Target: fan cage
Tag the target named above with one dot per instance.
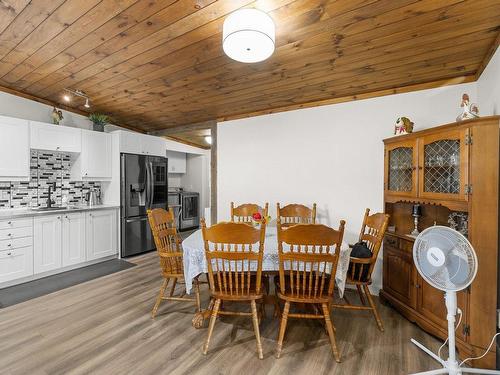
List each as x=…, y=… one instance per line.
x=462, y=248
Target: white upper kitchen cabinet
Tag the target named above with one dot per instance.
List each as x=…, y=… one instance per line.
x=152, y=145
x=141, y=144
x=47, y=244
x=95, y=159
x=176, y=162
x=14, y=149
x=101, y=234
x=73, y=238
x=130, y=142
x=55, y=137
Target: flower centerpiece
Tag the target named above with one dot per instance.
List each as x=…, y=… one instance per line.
x=258, y=219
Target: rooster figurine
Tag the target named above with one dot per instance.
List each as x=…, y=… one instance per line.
x=469, y=110
x=57, y=116
x=403, y=126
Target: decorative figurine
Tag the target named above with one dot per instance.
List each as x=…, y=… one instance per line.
x=403, y=126
x=57, y=116
x=416, y=213
x=469, y=110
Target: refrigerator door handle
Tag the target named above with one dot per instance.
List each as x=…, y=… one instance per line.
x=151, y=187
x=133, y=220
x=148, y=187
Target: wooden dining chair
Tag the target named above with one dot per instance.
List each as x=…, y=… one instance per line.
x=243, y=213
x=293, y=214
x=308, y=258
x=169, y=247
x=234, y=260
x=360, y=269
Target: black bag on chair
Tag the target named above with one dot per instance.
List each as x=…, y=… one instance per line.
x=360, y=250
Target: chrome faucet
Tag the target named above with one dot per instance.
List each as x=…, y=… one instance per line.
x=52, y=187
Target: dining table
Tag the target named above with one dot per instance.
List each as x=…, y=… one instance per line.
x=195, y=262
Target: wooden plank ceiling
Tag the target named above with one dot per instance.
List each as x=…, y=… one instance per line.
x=155, y=64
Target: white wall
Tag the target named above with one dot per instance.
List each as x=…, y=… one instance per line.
x=331, y=155
x=196, y=179
x=15, y=106
x=488, y=87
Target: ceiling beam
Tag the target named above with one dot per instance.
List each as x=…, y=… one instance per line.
x=186, y=142
x=183, y=128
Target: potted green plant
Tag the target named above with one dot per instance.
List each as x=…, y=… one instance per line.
x=99, y=120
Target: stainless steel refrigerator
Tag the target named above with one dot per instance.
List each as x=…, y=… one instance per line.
x=144, y=185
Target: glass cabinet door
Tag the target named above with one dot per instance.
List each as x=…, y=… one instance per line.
x=443, y=165
x=400, y=169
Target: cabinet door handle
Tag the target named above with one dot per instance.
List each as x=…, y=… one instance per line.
x=59, y=217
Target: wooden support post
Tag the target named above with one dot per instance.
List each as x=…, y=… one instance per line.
x=213, y=174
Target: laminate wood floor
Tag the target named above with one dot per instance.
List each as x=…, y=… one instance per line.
x=104, y=327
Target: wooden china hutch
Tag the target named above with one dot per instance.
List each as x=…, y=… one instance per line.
x=451, y=171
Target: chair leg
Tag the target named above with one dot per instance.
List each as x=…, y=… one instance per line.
x=361, y=297
x=284, y=318
x=213, y=318
x=374, y=308
x=160, y=297
x=255, y=320
x=173, y=287
x=331, y=334
x=197, y=294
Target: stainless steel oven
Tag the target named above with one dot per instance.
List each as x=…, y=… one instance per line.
x=190, y=211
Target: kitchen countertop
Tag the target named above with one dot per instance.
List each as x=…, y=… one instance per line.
x=26, y=212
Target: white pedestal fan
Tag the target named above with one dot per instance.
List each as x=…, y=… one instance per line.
x=447, y=261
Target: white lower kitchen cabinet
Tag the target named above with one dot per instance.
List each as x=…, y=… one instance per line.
x=16, y=263
x=73, y=239
x=102, y=234
x=47, y=243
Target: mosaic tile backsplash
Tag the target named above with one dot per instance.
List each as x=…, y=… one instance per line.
x=46, y=168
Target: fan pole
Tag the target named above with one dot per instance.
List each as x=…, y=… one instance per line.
x=451, y=308
x=450, y=366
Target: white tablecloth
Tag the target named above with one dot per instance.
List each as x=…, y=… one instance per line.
x=195, y=262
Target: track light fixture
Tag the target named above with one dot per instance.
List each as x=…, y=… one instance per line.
x=79, y=93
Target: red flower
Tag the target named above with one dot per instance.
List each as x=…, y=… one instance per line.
x=257, y=216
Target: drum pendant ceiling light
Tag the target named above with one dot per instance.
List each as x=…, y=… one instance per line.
x=248, y=35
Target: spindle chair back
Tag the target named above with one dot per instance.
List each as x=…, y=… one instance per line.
x=243, y=213
x=293, y=214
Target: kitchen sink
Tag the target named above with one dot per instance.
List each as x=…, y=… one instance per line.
x=54, y=208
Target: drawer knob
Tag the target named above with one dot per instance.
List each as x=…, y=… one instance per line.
x=9, y=245
x=9, y=223
x=10, y=235
x=9, y=253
